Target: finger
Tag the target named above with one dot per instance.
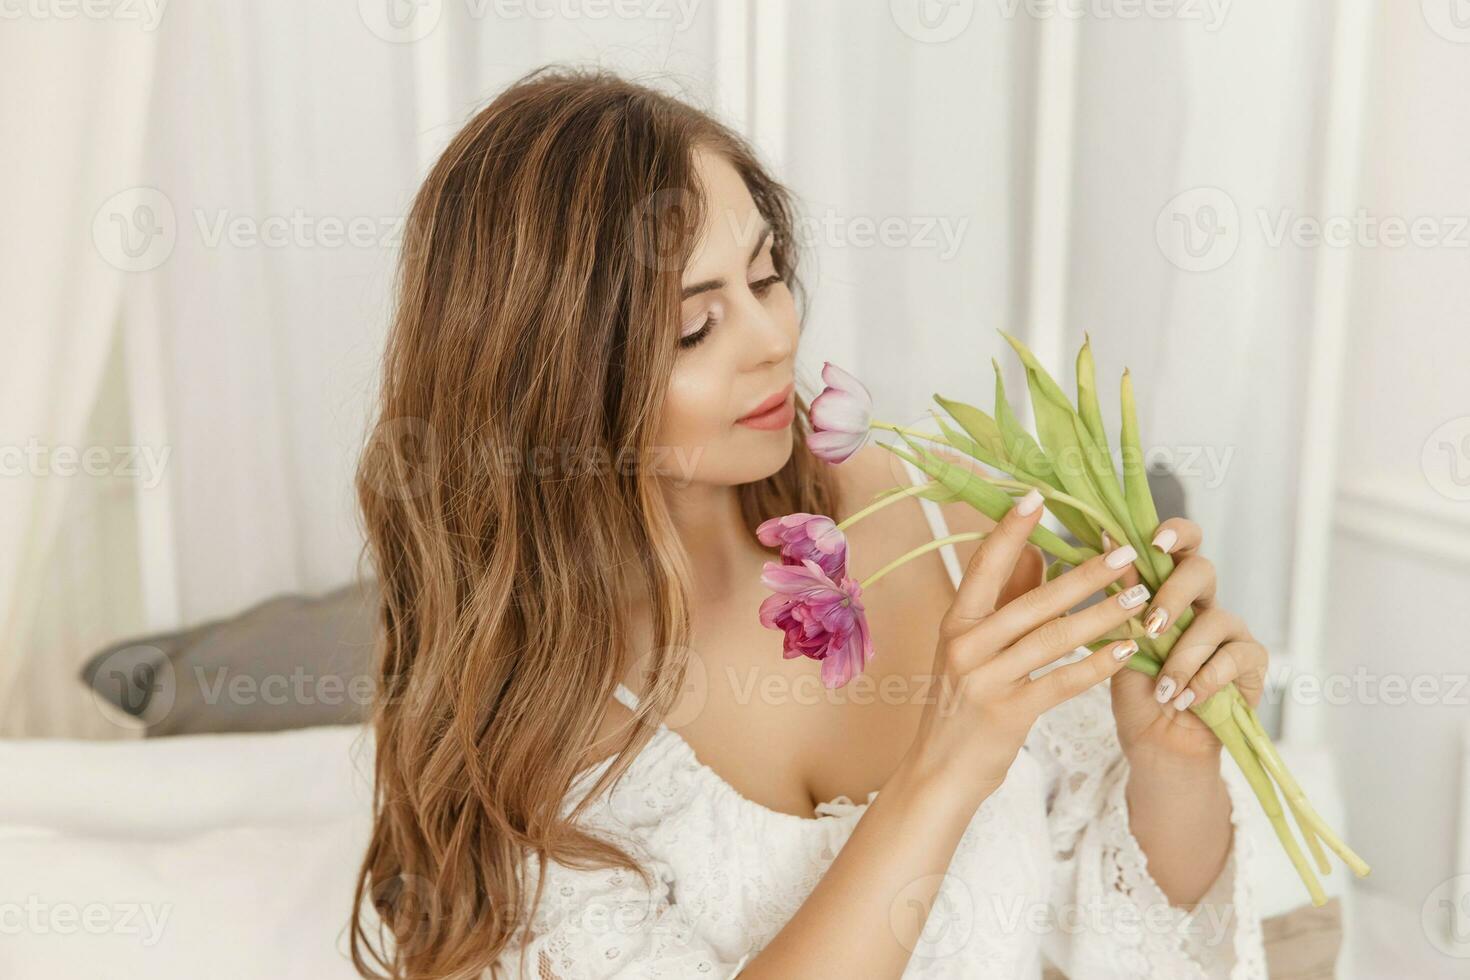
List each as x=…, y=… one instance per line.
x=1177, y=536
x=1210, y=630
x=1064, y=634
x=1056, y=686
x=1030, y=572
x=991, y=565
x=1191, y=582
x=1130, y=574
x=1047, y=601
x=1230, y=661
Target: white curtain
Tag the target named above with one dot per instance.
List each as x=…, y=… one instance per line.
x=939, y=136
x=283, y=141
x=62, y=280
x=248, y=167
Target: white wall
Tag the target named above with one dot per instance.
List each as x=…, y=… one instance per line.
x=1400, y=583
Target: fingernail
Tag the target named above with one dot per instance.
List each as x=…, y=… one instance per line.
x=1107, y=542
x=1154, y=625
x=1027, y=505
x=1125, y=650
x=1184, y=700
x=1134, y=597
x=1165, y=540
x=1165, y=688
x=1121, y=557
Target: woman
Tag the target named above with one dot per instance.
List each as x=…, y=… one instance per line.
x=592, y=760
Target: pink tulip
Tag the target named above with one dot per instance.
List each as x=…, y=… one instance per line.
x=841, y=416
x=821, y=619
x=803, y=536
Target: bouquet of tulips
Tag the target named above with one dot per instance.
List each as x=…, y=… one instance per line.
x=819, y=608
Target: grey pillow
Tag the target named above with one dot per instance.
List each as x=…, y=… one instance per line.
x=290, y=662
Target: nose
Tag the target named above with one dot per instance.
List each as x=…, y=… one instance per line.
x=771, y=339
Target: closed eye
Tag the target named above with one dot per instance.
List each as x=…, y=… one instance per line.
x=689, y=340
x=762, y=286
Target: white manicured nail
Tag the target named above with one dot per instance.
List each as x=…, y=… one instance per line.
x=1165, y=688
x=1165, y=540
x=1133, y=597
x=1125, y=650
x=1121, y=557
x=1027, y=505
x=1184, y=700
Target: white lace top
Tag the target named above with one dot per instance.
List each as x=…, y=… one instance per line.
x=1047, y=871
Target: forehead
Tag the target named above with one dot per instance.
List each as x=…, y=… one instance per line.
x=731, y=223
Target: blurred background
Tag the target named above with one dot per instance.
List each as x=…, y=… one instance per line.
x=1261, y=209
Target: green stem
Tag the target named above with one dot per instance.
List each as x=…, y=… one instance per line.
x=1234, y=741
x=906, y=431
x=1052, y=493
x=880, y=503
x=1250, y=725
x=1290, y=791
x=920, y=550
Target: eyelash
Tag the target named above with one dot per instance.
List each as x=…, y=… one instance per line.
x=760, y=287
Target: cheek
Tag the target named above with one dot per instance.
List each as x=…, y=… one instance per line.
x=696, y=407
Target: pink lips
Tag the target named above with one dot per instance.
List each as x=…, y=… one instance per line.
x=775, y=412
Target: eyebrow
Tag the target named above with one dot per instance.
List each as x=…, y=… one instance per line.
x=708, y=284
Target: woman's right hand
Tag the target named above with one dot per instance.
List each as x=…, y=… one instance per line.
x=986, y=700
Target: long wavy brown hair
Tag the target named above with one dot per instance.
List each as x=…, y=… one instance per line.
x=536, y=324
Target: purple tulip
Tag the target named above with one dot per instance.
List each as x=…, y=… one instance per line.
x=807, y=536
x=820, y=618
x=841, y=416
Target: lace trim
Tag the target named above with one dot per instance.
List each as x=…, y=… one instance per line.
x=1120, y=920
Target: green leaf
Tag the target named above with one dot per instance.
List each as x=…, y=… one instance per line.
x=1087, y=403
x=1047, y=383
x=1090, y=410
x=985, y=497
x=1081, y=461
x=1060, y=441
x=1135, y=481
x=970, y=447
x=1021, y=449
x=1020, y=444
x=980, y=427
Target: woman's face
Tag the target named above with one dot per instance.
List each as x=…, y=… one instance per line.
x=737, y=346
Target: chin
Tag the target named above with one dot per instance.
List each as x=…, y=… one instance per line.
x=758, y=455
x=769, y=453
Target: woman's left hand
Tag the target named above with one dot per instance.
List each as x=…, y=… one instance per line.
x=1152, y=713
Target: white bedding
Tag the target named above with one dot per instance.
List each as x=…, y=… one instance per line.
x=235, y=856
x=230, y=856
